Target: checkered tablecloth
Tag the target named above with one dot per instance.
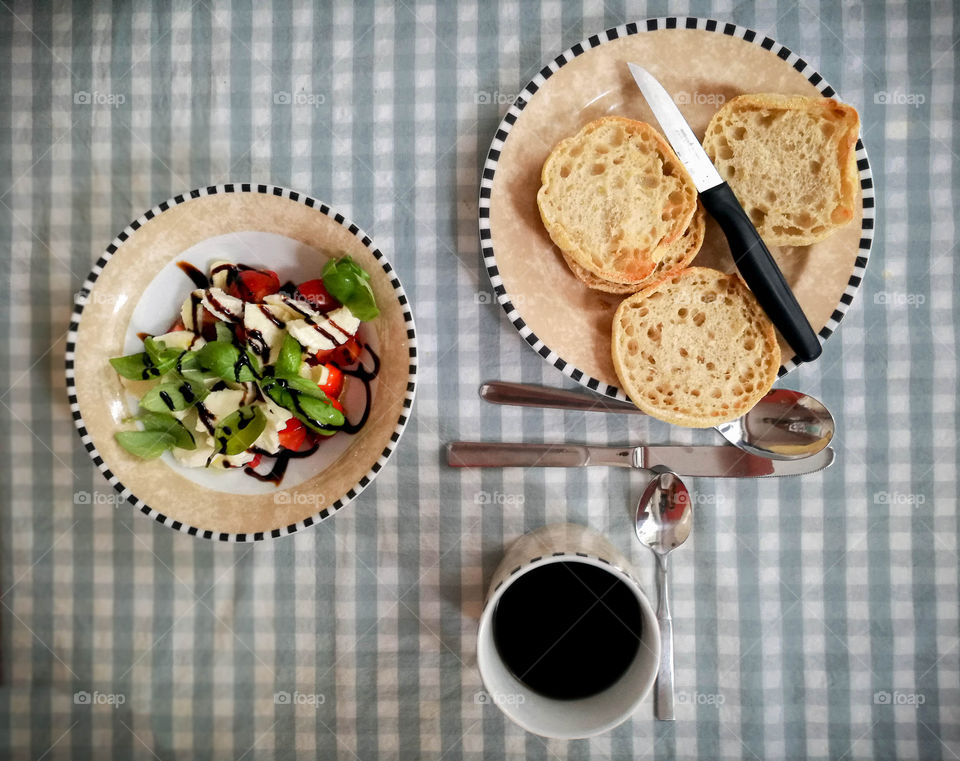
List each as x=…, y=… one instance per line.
x=815, y=618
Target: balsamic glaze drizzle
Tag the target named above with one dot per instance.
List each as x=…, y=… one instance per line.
x=199, y=279
x=365, y=376
x=282, y=459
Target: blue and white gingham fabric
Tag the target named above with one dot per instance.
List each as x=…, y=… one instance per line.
x=815, y=618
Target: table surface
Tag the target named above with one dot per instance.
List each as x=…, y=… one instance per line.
x=814, y=617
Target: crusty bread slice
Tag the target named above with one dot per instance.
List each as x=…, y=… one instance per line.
x=791, y=162
x=612, y=194
x=695, y=349
x=676, y=256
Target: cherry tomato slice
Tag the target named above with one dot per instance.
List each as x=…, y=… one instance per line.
x=316, y=293
x=208, y=324
x=255, y=462
x=344, y=355
x=293, y=435
x=333, y=385
x=253, y=285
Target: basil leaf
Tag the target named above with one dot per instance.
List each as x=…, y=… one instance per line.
x=223, y=331
x=237, y=431
x=305, y=386
x=146, y=444
x=188, y=367
x=349, y=284
x=290, y=357
x=319, y=411
x=136, y=367
x=306, y=402
x=164, y=359
x=167, y=397
x=158, y=421
x=223, y=359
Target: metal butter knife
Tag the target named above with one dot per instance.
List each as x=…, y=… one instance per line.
x=705, y=462
x=750, y=254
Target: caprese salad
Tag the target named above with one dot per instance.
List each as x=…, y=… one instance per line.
x=252, y=370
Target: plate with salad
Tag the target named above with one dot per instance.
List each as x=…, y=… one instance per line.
x=241, y=362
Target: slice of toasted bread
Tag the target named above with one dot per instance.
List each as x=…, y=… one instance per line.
x=791, y=162
x=695, y=349
x=676, y=256
x=612, y=194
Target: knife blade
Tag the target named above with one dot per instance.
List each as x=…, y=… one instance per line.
x=704, y=462
x=750, y=254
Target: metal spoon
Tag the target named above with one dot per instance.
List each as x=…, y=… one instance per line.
x=664, y=520
x=784, y=425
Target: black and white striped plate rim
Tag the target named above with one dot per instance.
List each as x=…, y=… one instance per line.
x=653, y=25
x=71, y=354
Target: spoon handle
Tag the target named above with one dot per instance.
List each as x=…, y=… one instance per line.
x=528, y=395
x=663, y=703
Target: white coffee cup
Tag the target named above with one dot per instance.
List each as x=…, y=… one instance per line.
x=548, y=717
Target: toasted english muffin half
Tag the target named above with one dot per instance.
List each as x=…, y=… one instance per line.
x=695, y=349
x=676, y=256
x=791, y=161
x=613, y=195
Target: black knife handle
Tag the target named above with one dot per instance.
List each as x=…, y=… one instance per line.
x=761, y=272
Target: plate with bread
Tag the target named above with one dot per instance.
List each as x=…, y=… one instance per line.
x=600, y=251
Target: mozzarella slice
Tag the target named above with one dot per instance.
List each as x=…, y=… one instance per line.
x=219, y=277
x=195, y=458
x=345, y=320
x=317, y=373
x=218, y=405
x=277, y=417
x=263, y=337
x=287, y=308
x=214, y=300
x=221, y=305
x=232, y=460
x=191, y=312
x=322, y=333
x=181, y=339
x=309, y=337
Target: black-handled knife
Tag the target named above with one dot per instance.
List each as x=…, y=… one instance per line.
x=750, y=254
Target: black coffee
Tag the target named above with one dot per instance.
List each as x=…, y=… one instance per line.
x=567, y=630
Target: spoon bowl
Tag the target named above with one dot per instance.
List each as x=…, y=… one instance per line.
x=664, y=513
x=783, y=425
